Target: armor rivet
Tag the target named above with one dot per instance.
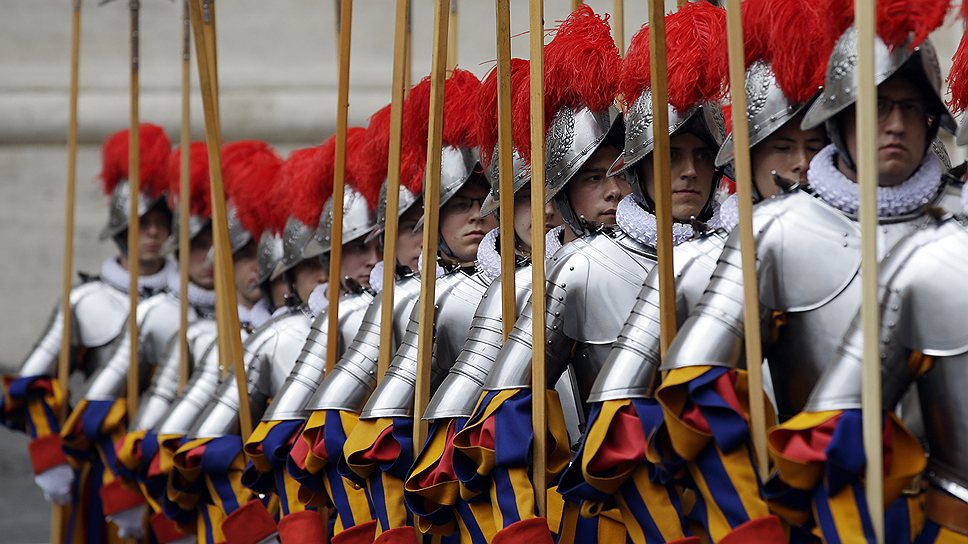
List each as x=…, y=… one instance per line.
x=756, y=127
x=571, y=268
x=554, y=327
x=845, y=244
x=557, y=314
x=561, y=299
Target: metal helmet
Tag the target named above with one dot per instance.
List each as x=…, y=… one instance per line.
x=522, y=176
x=583, y=114
x=407, y=200
x=199, y=193
x=767, y=109
x=301, y=189
x=154, y=150
x=295, y=236
x=358, y=221
x=269, y=254
x=840, y=88
x=360, y=194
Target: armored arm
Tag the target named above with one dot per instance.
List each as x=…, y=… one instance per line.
x=164, y=384
x=461, y=388
x=354, y=376
x=290, y=397
x=43, y=357
x=204, y=381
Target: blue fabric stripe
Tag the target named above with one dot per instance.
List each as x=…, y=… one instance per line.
x=506, y=498
x=334, y=438
x=720, y=486
x=378, y=500
x=470, y=522
x=729, y=428
x=640, y=511
x=929, y=534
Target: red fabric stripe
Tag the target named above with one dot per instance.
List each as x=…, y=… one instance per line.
x=358, y=534
x=302, y=527
x=249, y=524
x=384, y=449
x=46, y=452
x=624, y=442
x=443, y=470
x=300, y=449
x=808, y=445
x=164, y=529
x=115, y=498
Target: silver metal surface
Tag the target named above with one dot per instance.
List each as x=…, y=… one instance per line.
x=591, y=289
x=157, y=399
x=573, y=137
x=269, y=354
x=100, y=314
x=458, y=165
x=269, y=254
x=295, y=236
x=358, y=220
x=238, y=236
x=457, y=295
x=809, y=258
x=640, y=133
x=158, y=322
x=184, y=410
x=962, y=138
x=354, y=376
x=407, y=199
x=119, y=204
x=631, y=369
x=840, y=85
x=767, y=109
x=521, y=171
x=289, y=401
x=461, y=388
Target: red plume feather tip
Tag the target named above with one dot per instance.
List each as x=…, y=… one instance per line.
x=699, y=69
x=358, y=170
x=302, y=188
x=582, y=64
x=697, y=72
x=460, y=103
x=798, y=59
x=958, y=77
x=521, y=108
x=198, y=178
x=413, y=149
x=249, y=170
x=487, y=114
x=896, y=19
x=154, y=149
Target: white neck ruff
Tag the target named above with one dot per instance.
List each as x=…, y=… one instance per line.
x=376, y=277
x=113, y=274
x=834, y=188
x=256, y=315
x=199, y=297
x=488, y=258
x=640, y=224
x=319, y=299
x=553, y=241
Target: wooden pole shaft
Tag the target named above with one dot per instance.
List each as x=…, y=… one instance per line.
x=58, y=512
x=184, y=200
x=660, y=164
x=397, y=91
x=575, y=4
x=744, y=188
x=505, y=166
x=452, y=38
x=539, y=378
x=428, y=277
x=618, y=25
x=339, y=183
x=230, y=341
x=408, y=70
x=870, y=309
x=134, y=184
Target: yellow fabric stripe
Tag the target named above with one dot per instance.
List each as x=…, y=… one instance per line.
x=444, y=493
x=523, y=491
x=657, y=500
x=672, y=395
x=843, y=510
x=594, y=438
x=496, y=514
x=610, y=527
x=252, y=449
x=292, y=494
x=741, y=474
x=393, y=495
x=569, y=523
x=316, y=420
x=799, y=475
x=717, y=525
x=38, y=416
x=361, y=439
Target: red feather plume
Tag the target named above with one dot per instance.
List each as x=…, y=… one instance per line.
x=582, y=64
x=487, y=114
x=198, y=178
x=697, y=61
x=249, y=170
x=958, y=77
x=154, y=149
x=358, y=169
x=302, y=188
x=798, y=58
x=896, y=19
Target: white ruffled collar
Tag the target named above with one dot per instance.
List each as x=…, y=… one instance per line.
x=488, y=258
x=553, y=241
x=319, y=299
x=256, y=315
x=833, y=187
x=964, y=198
x=113, y=274
x=640, y=224
x=199, y=297
x=376, y=277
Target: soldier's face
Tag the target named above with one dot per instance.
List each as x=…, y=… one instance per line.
x=522, y=217
x=308, y=274
x=409, y=243
x=902, y=131
x=358, y=260
x=200, y=269
x=153, y=229
x=245, y=266
x=788, y=152
x=461, y=224
x=692, y=167
x=594, y=194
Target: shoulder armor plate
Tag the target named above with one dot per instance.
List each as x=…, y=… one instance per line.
x=100, y=313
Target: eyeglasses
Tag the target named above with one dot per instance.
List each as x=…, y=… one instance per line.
x=463, y=204
x=911, y=110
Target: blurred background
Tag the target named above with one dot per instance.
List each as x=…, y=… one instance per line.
x=277, y=67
